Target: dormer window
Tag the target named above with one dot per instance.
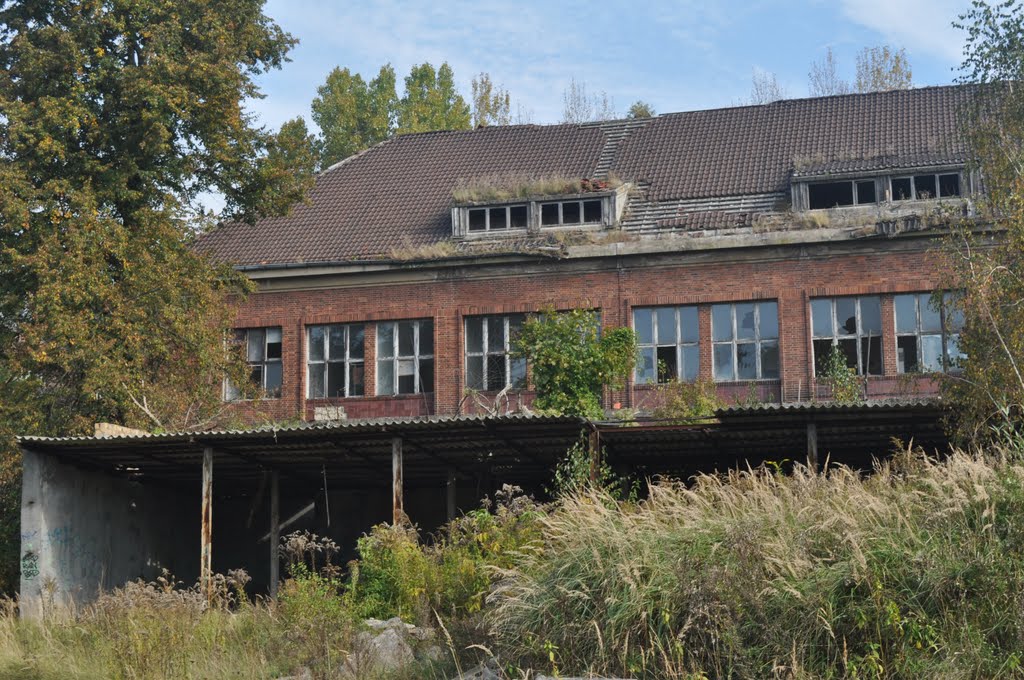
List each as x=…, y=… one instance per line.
x=836, y=194
x=498, y=218
x=822, y=193
x=922, y=187
x=561, y=213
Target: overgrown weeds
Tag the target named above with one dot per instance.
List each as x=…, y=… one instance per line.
x=503, y=187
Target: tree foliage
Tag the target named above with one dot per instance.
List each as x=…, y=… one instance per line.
x=883, y=68
x=572, y=361
x=431, y=101
x=640, y=109
x=352, y=114
x=492, y=104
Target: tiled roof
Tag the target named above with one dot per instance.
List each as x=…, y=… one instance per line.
x=398, y=195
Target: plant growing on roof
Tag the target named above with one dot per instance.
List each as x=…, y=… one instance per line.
x=572, y=360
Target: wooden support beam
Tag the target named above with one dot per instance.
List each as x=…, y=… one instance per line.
x=206, y=537
x=397, y=471
x=275, y=532
x=812, y=446
x=451, y=494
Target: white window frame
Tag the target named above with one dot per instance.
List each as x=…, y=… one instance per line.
x=506, y=351
x=487, y=218
x=860, y=336
x=679, y=344
x=242, y=338
x=325, y=363
x=945, y=333
x=561, y=213
x=394, y=359
x=757, y=340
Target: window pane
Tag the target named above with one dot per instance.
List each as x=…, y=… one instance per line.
x=723, y=362
x=642, y=325
x=645, y=366
x=255, y=338
x=954, y=315
x=231, y=393
x=427, y=375
x=336, y=379
x=953, y=354
x=829, y=194
x=518, y=367
x=866, y=191
x=591, y=211
x=336, y=342
x=871, y=354
x=426, y=338
x=768, y=318
x=906, y=354
x=273, y=379
x=667, y=369
x=570, y=212
x=316, y=381
x=495, y=371
x=846, y=316
x=821, y=317
x=316, y=343
x=924, y=186
x=930, y=320
x=906, y=313
x=901, y=189
x=474, y=336
x=849, y=350
x=688, y=324
x=931, y=353
x=256, y=375
x=356, y=380
x=721, y=323
x=273, y=343
x=385, y=340
x=822, y=348
x=406, y=337
x=495, y=334
x=745, y=327
x=666, y=325
x=549, y=214
x=517, y=214
x=386, y=377
x=406, y=376
x=691, y=363
x=770, y=360
x=871, y=315
x=746, y=361
x=475, y=372
x=477, y=219
x=949, y=185
x=356, y=341
x=499, y=219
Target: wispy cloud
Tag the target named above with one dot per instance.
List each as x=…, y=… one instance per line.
x=922, y=26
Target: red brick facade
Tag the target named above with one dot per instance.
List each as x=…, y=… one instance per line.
x=789, y=274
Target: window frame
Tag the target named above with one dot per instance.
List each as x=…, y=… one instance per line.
x=860, y=336
x=485, y=352
x=679, y=344
x=347, y=361
x=561, y=212
x=417, y=357
x=507, y=208
x=757, y=340
x=242, y=338
x=854, y=192
x=937, y=176
x=945, y=333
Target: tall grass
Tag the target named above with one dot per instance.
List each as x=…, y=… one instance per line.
x=916, y=571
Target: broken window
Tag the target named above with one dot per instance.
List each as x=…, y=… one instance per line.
x=927, y=186
x=590, y=211
x=335, y=366
x=745, y=341
x=262, y=347
x=405, y=357
x=927, y=336
x=497, y=218
x=823, y=195
x=667, y=343
x=489, y=361
x=854, y=325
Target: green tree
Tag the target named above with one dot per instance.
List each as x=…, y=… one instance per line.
x=491, y=104
x=572, y=361
x=640, y=109
x=883, y=68
x=431, y=102
x=354, y=115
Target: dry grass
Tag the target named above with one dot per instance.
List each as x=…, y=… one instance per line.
x=430, y=251
x=493, y=188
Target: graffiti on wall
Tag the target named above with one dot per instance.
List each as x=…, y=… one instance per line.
x=66, y=551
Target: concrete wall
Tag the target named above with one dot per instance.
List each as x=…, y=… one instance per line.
x=82, y=531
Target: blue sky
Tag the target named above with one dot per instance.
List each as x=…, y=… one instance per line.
x=677, y=56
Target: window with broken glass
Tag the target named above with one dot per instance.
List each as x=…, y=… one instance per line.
x=405, y=357
x=667, y=342
x=335, y=366
x=497, y=218
x=927, y=335
x=745, y=341
x=489, y=361
x=821, y=195
x=854, y=324
x=587, y=211
x=262, y=348
x=945, y=185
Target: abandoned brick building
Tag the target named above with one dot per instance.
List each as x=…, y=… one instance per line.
x=739, y=243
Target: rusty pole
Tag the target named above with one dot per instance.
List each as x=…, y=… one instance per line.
x=397, y=511
x=206, y=547
x=275, y=532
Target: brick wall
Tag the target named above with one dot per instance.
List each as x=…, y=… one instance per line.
x=790, y=275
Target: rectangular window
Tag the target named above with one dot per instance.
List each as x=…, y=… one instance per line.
x=854, y=325
x=823, y=195
x=262, y=348
x=927, y=186
x=667, y=342
x=497, y=218
x=334, y=361
x=745, y=341
x=405, y=357
x=571, y=212
x=927, y=338
x=489, y=361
